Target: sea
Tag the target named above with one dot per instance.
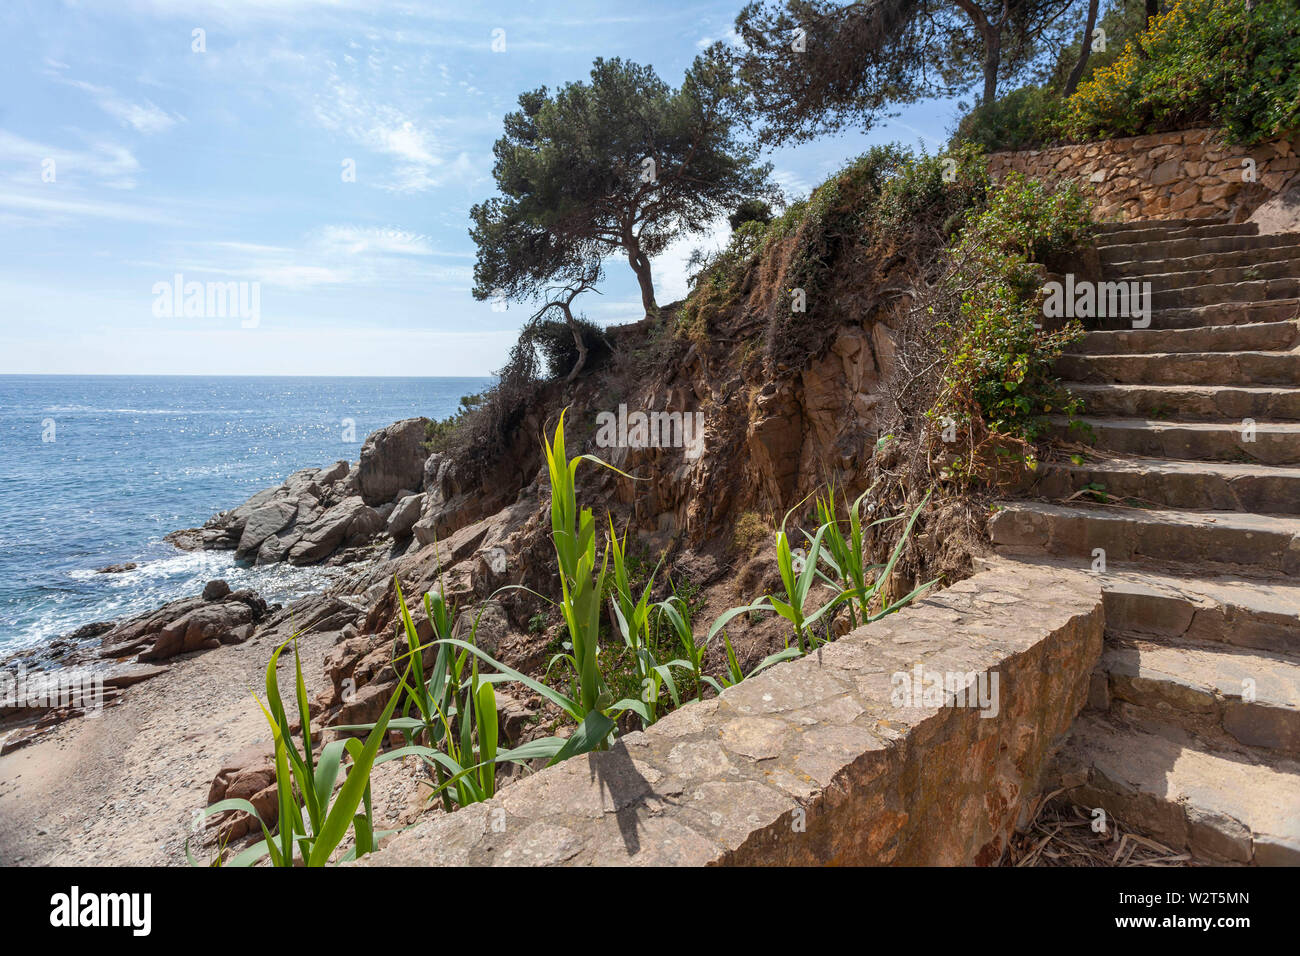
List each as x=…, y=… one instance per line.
x=97, y=469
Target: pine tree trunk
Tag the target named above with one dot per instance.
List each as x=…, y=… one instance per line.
x=641, y=266
x=1076, y=74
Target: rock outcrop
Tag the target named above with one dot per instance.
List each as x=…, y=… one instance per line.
x=392, y=460
x=342, y=513
x=220, y=616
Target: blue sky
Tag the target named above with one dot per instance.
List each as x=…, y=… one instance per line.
x=228, y=165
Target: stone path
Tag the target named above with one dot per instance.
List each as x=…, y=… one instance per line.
x=1192, y=491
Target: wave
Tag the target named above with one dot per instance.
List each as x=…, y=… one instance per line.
x=85, y=595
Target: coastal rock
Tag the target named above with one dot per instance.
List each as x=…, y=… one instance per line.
x=350, y=522
x=188, y=624
x=267, y=526
x=313, y=615
x=486, y=626
x=365, y=705
x=117, y=568
x=341, y=661
x=248, y=775
x=139, y=632
x=275, y=548
x=333, y=473
x=434, y=467
x=262, y=523
x=392, y=460
x=404, y=515
x=226, y=622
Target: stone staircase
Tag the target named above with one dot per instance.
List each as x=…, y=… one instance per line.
x=1191, y=494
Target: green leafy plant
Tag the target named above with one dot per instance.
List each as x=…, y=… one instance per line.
x=1022, y=119
x=852, y=578
x=635, y=618
x=847, y=560
x=734, y=674
x=312, y=818
x=998, y=384
x=1225, y=63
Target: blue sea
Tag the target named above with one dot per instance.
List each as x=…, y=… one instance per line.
x=96, y=469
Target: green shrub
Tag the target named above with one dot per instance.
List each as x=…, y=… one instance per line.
x=998, y=382
x=554, y=340
x=751, y=210
x=1023, y=119
x=439, y=434
x=886, y=208
x=928, y=198
x=1201, y=63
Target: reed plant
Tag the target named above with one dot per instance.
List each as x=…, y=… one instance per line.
x=312, y=818
x=449, y=718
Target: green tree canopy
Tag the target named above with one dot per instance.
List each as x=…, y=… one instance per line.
x=809, y=67
x=621, y=163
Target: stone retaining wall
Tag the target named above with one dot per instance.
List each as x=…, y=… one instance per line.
x=1190, y=174
x=818, y=761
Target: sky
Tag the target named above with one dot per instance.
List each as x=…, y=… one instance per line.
x=325, y=153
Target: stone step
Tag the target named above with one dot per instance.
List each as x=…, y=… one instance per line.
x=1184, y=368
x=1218, y=807
x=1190, y=402
x=1214, y=486
x=1228, y=697
x=1255, y=290
x=1146, y=232
x=1162, y=250
x=1171, y=279
x=1269, y=443
x=1270, y=543
x=1177, y=602
x=1110, y=228
x=1207, y=261
x=1173, y=602
x=1251, y=337
x=1222, y=313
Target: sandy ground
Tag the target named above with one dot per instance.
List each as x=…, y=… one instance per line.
x=122, y=789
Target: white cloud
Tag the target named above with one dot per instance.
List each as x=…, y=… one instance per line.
x=52, y=206
x=142, y=117
x=104, y=163
x=363, y=240
x=670, y=267
x=794, y=185
x=731, y=38
x=335, y=255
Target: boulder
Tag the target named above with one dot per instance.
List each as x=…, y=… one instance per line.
x=350, y=522
x=215, y=590
x=248, y=775
x=117, y=568
x=221, y=616
x=404, y=516
x=435, y=467
x=263, y=522
x=486, y=626
x=364, y=706
x=490, y=569
x=333, y=473
x=392, y=460
x=203, y=628
x=276, y=548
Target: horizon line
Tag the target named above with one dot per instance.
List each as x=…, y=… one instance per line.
x=214, y=375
